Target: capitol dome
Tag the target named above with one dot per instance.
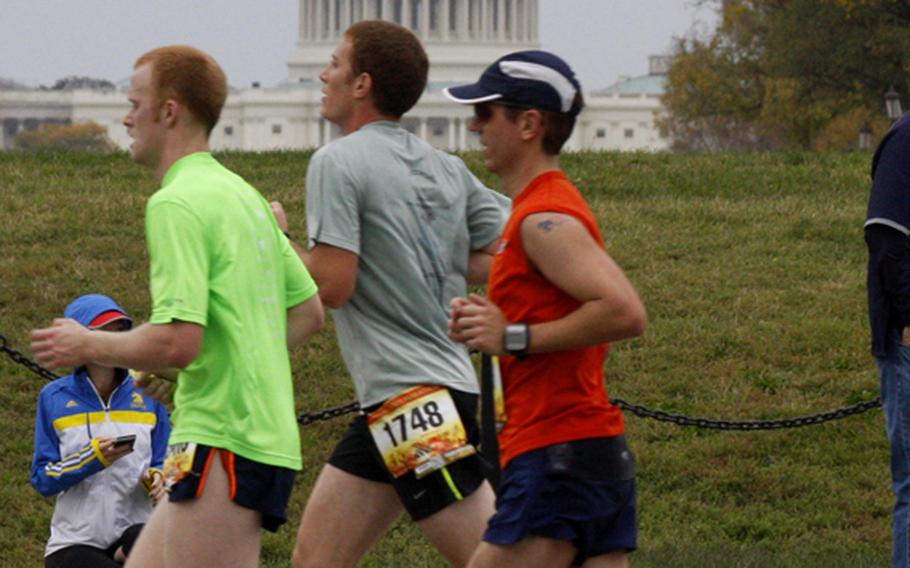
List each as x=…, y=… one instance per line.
x=461, y=37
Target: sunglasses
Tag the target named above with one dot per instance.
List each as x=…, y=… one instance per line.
x=484, y=111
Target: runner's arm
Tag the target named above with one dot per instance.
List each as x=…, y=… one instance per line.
x=304, y=320
x=563, y=251
x=479, y=263
x=569, y=257
x=335, y=271
x=147, y=347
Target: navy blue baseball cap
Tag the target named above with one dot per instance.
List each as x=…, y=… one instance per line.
x=533, y=78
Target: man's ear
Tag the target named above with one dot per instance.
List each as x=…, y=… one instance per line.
x=170, y=111
x=363, y=85
x=530, y=124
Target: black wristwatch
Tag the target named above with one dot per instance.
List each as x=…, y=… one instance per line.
x=517, y=339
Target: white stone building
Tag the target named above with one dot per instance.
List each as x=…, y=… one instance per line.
x=461, y=37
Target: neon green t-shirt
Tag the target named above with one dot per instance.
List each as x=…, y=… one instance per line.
x=218, y=259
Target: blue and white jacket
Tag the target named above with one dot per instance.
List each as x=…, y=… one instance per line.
x=96, y=501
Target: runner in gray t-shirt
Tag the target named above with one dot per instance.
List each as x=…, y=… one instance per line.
x=396, y=229
x=412, y=214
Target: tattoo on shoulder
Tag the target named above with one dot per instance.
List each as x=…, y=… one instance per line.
x=548, y=224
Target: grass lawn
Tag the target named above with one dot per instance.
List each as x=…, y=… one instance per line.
x=752, y=267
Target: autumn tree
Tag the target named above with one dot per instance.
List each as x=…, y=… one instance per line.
x=84, y=137
x=787, y=73
x=73, y=82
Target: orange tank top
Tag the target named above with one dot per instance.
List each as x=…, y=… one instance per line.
x=549, y=397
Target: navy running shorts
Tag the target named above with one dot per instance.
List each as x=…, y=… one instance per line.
x=253, y=485
x=581, y=491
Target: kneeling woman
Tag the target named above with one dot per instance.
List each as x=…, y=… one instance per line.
x=99, y=446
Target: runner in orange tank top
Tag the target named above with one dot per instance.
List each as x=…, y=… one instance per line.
x=556, y=300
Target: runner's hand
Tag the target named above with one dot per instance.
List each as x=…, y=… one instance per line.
x=153, y=481
x=158, y=385
x=481, y=324
x=64, y=344
x=455, y=331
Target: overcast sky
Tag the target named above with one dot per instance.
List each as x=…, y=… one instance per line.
x=44, y=40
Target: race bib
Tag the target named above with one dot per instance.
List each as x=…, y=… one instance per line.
x=419, y=430
x=178, y=464
x=499, y=400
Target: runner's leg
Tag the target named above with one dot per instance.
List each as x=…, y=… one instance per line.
x=616, y=559
x=457, y=530
x=344, y=516
x=148, y=550
x=530, y=552
x=209, y=531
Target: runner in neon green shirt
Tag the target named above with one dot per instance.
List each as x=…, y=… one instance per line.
x=219, y=260
x=229, y=298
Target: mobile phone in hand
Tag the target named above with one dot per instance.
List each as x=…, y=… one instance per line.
x=127, y=440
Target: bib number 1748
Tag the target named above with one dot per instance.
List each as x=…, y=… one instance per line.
x=421, y=420
x=419, y=430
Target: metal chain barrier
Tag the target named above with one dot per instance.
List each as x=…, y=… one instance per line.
x=681, y=420
x=21, y=359
x=662, y=416
x=309, y=417
x=305, y=418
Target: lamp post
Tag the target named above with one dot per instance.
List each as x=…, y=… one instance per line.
x=865, y=136
x=893, y=104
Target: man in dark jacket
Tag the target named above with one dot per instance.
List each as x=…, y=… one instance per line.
x=887, y=231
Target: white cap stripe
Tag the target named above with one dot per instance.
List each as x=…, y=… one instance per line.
x=483, y=99
x=537, y=72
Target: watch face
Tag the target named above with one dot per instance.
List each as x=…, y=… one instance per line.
x=516, y=338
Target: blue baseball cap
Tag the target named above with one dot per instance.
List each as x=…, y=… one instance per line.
x=533, y=78
x=96, y=310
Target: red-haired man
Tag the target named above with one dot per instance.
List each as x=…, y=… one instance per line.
x=229, y=298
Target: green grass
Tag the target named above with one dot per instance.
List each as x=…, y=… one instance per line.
x=752, y=267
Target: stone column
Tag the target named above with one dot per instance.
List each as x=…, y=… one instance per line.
x=302, y=20
x=525, y=20
x=513, y=20
x=445, y=21
x=332, y=31
x=424, y=15
x=406, y=13
x=319, y=32
x=533, y=19
x=501, y=20
x=519, y=19
x=485, y=20
x=344, y=17
x=472, y=18
x=463, y=133
x=451, y=133
x=422, y=129
x=461, y=21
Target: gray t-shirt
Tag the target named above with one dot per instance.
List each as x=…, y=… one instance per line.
x=412, y=214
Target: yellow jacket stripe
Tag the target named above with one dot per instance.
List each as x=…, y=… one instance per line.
x=128, y=416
